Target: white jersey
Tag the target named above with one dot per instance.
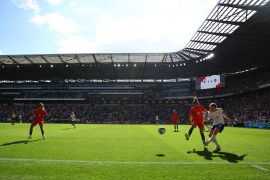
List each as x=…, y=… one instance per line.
x=217, y=116
x=73, y=117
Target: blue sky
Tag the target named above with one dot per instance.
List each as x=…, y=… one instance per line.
x=99, y=26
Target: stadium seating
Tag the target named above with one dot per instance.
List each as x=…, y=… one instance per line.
x=137, y=103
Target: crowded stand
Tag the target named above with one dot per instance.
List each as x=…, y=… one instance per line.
x=98, y=113
x=245, y=98
x=251, y=107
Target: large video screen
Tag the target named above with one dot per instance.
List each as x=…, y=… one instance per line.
x=210, y=82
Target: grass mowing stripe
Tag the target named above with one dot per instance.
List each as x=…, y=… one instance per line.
x=254, y=164
x=259, y=167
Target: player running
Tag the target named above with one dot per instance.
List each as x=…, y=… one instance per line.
x=39, y=114
x=73, y=119
x=175, y=120
x=196, y=114
x=218, y=117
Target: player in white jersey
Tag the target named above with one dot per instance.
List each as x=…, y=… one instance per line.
x=217, y=116
x=157, y=119
x=73, y=119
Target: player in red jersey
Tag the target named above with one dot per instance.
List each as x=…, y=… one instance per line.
x=196, y=114
x=39, y=114
x=175, y=120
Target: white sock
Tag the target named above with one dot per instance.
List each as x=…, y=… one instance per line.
x=216, y=143
x=212, y=138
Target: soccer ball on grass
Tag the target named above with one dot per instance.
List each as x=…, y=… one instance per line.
x=161, y=130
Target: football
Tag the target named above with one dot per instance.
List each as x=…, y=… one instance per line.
x=161, y=130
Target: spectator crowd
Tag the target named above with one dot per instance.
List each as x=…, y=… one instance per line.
x=254, y=108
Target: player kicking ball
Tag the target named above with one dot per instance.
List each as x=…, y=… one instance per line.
x=196, y=114
x=39, y=114
x=217, y=116
x=73, y=119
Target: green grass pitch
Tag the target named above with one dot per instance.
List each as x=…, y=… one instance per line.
x=130, y=152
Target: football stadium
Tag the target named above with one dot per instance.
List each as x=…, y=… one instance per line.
x=199, y=112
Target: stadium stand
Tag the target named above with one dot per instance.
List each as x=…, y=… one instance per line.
x=119, y=106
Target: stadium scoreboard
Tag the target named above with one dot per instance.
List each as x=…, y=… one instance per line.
x=210, y=82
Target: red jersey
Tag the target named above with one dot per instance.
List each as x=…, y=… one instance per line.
x=175, y=117
x=39, y=114
x=197, y=112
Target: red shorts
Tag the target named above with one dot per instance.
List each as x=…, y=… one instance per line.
x=175, y=121
x=37, y=121
x=198, y=123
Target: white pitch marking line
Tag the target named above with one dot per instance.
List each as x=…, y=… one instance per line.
x=259, y=167
x=130, y=162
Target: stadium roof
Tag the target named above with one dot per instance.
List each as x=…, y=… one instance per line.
x=235, y=36
x=225, y=18
x=85, y=58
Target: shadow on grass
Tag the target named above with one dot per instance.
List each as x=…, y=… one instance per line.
x=233, y=158
x=230, y=157
x=160, y=155
x=19, y=142
x=67, y=129
x=205, y=153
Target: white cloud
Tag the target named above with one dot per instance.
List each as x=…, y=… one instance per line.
x=84, y=8
x=56, y=23
x=178, y=6
x=161, y=26
x=144, y=31
x=73, y=3
x=55, y=2
x=132, y=34
x=76, y=44
x=28, y=5
x=87, y=11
